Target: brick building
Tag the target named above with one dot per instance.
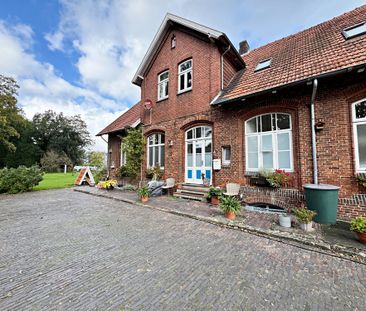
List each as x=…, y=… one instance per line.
x=250, y=110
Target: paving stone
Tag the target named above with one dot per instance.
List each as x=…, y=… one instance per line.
x=64, y=250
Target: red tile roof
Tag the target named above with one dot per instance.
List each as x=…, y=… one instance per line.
x=309, y=53
x=127, y=119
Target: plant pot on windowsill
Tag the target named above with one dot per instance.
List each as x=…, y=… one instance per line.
x=259, y=181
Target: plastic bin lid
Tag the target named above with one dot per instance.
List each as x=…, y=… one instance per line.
x=321, y=187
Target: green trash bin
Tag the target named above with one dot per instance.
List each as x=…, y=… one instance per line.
x=323, y=199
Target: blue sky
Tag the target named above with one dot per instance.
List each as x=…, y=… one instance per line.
x=79, y=56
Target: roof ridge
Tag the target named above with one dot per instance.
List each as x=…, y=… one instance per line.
x=305, y=30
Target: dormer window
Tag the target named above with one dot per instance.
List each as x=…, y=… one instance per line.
x=174, y=42
x=185, y=76
x=163, y=85
x=355, y=30
x=263, y=64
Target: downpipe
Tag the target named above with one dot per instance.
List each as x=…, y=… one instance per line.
x=313, y=134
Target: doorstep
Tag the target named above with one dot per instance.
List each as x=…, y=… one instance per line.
x=332, y=240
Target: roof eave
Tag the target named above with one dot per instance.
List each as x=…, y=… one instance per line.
x=168, y=20
x=221, y=101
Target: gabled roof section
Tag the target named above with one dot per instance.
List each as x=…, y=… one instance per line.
x=169, y=20
x=313, y=53
x=130, y=118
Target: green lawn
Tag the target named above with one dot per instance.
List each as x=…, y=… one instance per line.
x=56, y=181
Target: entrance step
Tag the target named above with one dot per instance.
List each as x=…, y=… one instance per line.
x=192, y=192
x=194, y=197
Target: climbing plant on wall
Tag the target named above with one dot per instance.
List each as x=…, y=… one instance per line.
x=133, y=145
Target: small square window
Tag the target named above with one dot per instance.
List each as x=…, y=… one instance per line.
x=354, y=31
x=226, y=155
x=263, y=64
x=174, y=42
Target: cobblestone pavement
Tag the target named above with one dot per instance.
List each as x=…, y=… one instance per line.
x=64, y=250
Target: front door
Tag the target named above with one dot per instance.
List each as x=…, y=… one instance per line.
x=199, y=155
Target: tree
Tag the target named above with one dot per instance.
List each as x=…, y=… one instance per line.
x=53, y=161
x=11, y=117
x=133, y=145
x=96, y=158
x=26, y=153
x=68, y=135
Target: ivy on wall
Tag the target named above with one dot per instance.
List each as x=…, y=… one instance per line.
x=133, y=145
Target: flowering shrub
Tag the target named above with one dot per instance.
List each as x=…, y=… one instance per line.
x=108, y=184
x=278, y=178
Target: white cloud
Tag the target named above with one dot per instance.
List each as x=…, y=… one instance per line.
x=42, y=89
x=55, y=40
x=110, y=38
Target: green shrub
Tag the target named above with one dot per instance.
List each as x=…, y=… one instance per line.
x=19, y=179
x=303, y=215
x=358, y=224
x=230, y=204
x=100, y=174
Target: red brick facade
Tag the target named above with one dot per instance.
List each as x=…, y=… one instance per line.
x=180, y=112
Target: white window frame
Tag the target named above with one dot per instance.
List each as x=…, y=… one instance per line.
x=274, y=134
x=165, y=84
x=355, y=123
x=266, y=63
x=362, y=31
x=185, y=73
x=123, y=160
x=225, y=161
x=151, y=148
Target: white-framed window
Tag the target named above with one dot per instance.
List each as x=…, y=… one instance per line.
x=355, y=30
x=268, y=142
x=185, y=76
x=173, y=42
x=359, y=134
x=226, y=155
x=163, y=85
x=263, y=64
x=156, y=150
x=123, y=156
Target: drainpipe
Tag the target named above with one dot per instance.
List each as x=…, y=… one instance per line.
x=222, y=66
x=313, y=135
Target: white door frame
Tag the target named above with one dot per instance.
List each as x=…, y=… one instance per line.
x=193, y=173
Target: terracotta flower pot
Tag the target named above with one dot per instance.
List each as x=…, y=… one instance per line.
x=230, y=215
x=361, y=237
x=215, y=200
x=144, y=199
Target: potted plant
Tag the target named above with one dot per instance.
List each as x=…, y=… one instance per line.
x=278, y=178
x=260, y=179
x=214, y=194
x=144, y=193
x=285, y=220
x=358, y=225
x=230, y=205
x=305, y=218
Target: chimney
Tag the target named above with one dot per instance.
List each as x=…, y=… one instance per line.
x=243, y=47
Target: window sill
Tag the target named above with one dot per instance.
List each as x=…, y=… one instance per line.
x=162, y=99
x=184, y=91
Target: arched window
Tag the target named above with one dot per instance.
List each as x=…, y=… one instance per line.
x=156, y=150
x=268, y=141
x=359, y=134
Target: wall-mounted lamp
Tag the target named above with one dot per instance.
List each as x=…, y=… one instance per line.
x=170, y=143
